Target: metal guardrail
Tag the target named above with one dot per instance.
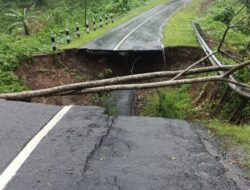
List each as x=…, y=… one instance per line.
x=213, y=59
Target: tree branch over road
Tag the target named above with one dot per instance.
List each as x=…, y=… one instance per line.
x=117, y=83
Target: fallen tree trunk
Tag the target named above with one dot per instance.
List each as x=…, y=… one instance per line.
x=154, y=85
x=112, y=84
x=117, y=80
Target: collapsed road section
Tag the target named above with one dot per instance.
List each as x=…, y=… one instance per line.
x=139, y=34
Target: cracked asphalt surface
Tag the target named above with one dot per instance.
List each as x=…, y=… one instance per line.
x=153, y=153
x=124, y=101
x=88, y=150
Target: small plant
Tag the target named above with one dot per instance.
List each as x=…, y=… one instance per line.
x=79, y=76
x=226, y=15
x=9, y=83
x=22, y=19
x=174, y=103
x=110, y=105
x=107, y=101
x=105, y=73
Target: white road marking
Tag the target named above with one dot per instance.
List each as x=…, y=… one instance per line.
x=16, y=164
x=132, y=31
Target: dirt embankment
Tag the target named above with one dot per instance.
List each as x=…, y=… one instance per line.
x=46, y=71
x=73, y=66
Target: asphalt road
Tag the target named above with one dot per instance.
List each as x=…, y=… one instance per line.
x=88, y=150
x=140, y=33
x=19, y=122
x=124, y=101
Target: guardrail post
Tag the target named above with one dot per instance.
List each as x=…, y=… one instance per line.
x=94, y=24
x=112, y=18
x=106, y=17
x=87, y=26
x=101, y=21
x=67, y=35
x=53, y=41
x=78, y=30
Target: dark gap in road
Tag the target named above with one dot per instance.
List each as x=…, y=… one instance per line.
x=141, y=61
x=131, y=62
x=71, y=66
x=123, y=63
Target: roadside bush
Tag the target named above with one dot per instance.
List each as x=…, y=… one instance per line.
x=9, y=83
x=218, y=15
x=175, y=103
x=225, y=15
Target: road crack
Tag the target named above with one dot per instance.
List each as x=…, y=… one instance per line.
x=110, y=122
x=116, y=183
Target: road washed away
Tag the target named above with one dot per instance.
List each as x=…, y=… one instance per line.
x=86, y=149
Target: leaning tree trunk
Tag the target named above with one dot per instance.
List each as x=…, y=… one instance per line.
x=236, y=116
x=26, y=29
x=248, y=11
x=225, y=97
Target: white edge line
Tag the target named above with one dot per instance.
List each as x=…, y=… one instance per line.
x=132, y=31
x=16, y=164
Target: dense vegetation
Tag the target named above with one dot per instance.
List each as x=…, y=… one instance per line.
x=170, y=103
x=214, y=17
x=213, y=21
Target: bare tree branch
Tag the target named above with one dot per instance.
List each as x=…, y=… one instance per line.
x=232, y=57
x=223, y=38
x=243, y=85
x=193, y=65
x=79, y=86
x=238, y=22
x=149, y=85
x=229, y=25
x=116, y=83
x=239, y=26
x=156, y=85
x=236, y=68
x=241, y=9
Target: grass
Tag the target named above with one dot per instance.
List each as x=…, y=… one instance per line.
x=214, y=25
x=85, y=38
x=179, y=29
x=176, y=103
x=234, y=136
x=214, y=30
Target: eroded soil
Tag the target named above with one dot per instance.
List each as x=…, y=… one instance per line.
x=71, y=66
